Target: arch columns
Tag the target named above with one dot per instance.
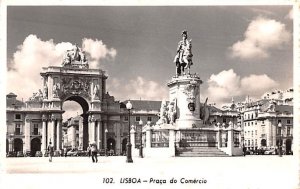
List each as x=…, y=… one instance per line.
x=98, y=133
x=10, y=145
x=27, y=134
x=44, y=134
x=92, y=129
x=59, y=134
x=51, y=131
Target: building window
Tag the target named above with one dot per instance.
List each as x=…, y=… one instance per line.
x=248, y=123
x=251, y=116
x=288, y=121
x=251, y=123
x=255, y=132
x=245, y=124
x=252, y=133
x=18, y=129
x=279, y=120
x=224, y=120
x=137, y=118
x=263, y=122
x=288, y=131
x=126, y=118
x=35, y=129
x=149, y=119
x=17, y=116
x=279, y=131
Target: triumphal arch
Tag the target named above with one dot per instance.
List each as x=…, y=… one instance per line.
x=73, y=81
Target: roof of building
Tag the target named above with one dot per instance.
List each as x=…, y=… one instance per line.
x=214, y=109
x=147, y=105
x=287, y=109
x=11, y=101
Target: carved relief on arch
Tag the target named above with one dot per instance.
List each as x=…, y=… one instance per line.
x=76, y=86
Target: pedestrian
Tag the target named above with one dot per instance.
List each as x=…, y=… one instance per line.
x=244, y=151
x=94, y=152
x=89, y=150
x=65, y=152
x=51, y=151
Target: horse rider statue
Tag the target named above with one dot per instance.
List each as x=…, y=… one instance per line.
x=183, y=58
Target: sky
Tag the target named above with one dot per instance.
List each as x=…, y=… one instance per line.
x=238, y=50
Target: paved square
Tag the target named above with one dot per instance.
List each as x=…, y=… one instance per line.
x=216, y=172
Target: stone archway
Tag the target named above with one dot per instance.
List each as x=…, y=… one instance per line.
x=83, y=124
x=18, y=145
x=73, y=81
x=35, y=146
x=263, y=142
x=288, y=144
x=111, y=144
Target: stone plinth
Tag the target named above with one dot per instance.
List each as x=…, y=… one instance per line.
x=185, y=92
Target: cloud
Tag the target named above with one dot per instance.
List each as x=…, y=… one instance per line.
x=97, y=50
x=254, y=84
x=290, y=15
x=138, y=88
x=27, y=62
x=227, y=84
x=71, y=109
x=261, y=36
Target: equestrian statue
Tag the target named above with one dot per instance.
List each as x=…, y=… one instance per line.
x=183, y=58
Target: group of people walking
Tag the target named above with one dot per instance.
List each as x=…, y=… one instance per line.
x=92, y=151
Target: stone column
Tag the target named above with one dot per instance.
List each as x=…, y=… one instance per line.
x=51, y=131
x=73, y=136
x=58, y=135
x=148, y=137
x=98, y=131
x=10, y=145
x=27, y=134
x=44, y=135
x=100, y=135
x=172, y=142
x=230, y=141
x=132, y=138
x=92, y=131
x=105, y=135
x=218, y=136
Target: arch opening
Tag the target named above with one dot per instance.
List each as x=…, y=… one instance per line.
x=75, y=118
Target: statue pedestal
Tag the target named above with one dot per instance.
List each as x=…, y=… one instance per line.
x=185, y=92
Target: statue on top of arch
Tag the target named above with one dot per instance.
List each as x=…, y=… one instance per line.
x=75, y=58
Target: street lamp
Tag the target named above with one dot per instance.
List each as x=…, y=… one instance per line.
x=280, y=143
x=129, y=158
x=105, y=142
x=141, y=134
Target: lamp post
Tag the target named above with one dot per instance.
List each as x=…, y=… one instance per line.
x=280, y=143
x=128, y=156
x=105, y=142
x=141, y=136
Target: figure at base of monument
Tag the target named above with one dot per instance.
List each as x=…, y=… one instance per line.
x=183, y=58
